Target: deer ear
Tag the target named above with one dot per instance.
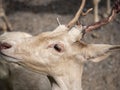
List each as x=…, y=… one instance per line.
x=98, y=52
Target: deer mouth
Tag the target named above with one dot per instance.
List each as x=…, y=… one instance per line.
x=4, y=52
x=9, y=58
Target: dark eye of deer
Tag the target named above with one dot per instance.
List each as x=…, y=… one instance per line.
x=57, y=48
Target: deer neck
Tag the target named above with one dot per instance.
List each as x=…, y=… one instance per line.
x=70, y=80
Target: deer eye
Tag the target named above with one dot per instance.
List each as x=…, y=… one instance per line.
x=57, y=47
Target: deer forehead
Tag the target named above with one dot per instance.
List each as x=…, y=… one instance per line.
x=59, y=36
x=62, y=34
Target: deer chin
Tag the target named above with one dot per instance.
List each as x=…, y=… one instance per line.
x=6, y=55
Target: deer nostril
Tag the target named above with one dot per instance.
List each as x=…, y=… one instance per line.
x=4, y=46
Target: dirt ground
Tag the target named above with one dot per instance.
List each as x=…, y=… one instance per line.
x=36, y=16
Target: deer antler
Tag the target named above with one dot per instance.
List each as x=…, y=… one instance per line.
x=75, y=19
x=85, y=13
x=7, y=26
x=115, y=10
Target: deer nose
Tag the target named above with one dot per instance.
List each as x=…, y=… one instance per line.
x=4, y=46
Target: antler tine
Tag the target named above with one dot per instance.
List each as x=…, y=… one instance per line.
x=115, y=10
x=7, y=26
x=85, y=13
x=75, y=19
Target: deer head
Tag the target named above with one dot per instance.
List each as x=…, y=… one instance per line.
x=59, y=53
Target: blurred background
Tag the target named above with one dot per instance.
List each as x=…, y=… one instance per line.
x=36, y=16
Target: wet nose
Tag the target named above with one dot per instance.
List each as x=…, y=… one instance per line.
x=4, y=46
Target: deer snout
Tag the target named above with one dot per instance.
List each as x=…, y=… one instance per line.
x=4, y=46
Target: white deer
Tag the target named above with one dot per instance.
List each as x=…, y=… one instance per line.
x=96, y=6
x=60, y=53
